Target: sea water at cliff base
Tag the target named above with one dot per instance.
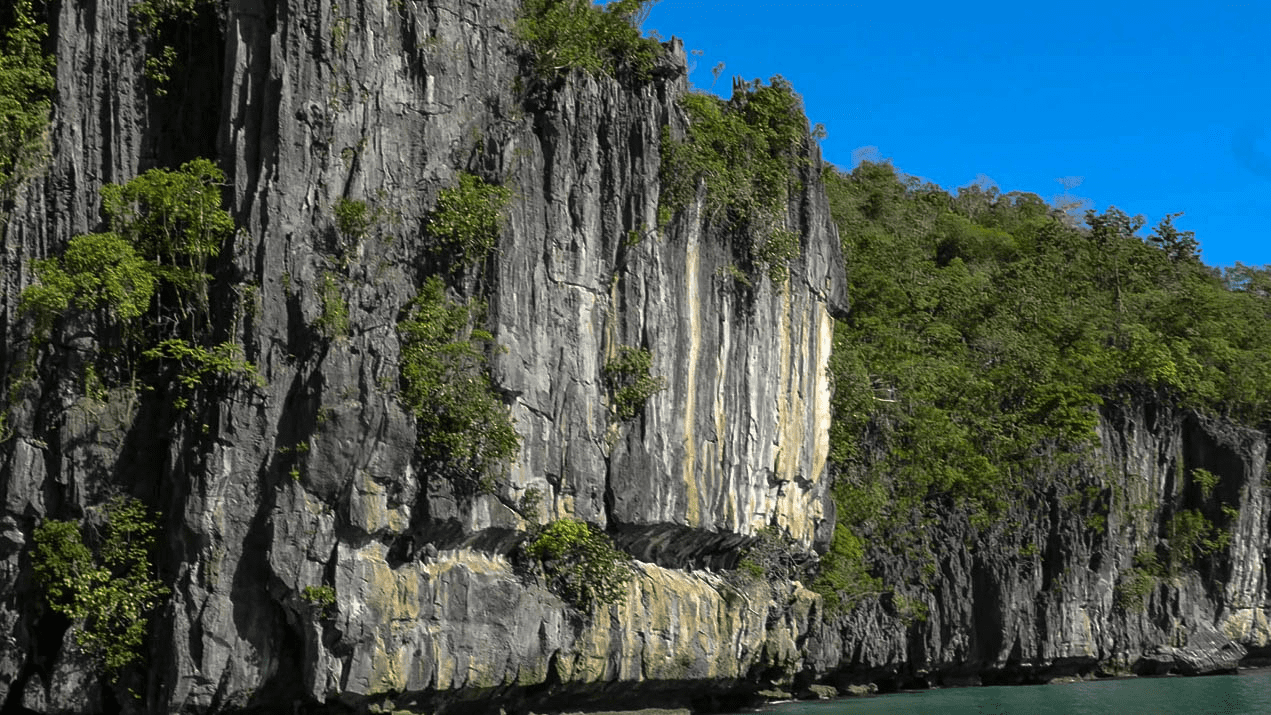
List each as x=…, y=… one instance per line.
x=1248, y=693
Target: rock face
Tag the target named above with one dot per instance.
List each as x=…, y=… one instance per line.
x=312, y=479
x=1049, y=592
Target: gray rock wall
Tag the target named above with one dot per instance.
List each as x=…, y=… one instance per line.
x=1036, y=596
x=311, y=478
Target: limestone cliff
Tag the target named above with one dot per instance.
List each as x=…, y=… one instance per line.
x=311, y=478
x=1071, y=583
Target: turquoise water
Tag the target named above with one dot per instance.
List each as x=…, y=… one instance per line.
x=1245, y=694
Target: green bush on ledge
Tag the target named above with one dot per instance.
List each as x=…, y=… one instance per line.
x=581, y=563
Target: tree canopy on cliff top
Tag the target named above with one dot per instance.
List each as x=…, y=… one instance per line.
x=987, y=328
x=986, y=324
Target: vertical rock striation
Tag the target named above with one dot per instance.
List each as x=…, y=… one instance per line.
x=1050, y=591
x=310, y=480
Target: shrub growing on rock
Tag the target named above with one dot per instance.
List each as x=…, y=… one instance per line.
x=581, y=563
x=575, y=34
x=467, y=219
x=26, y=81
x=462, y=423
x=747, y=150
x=628, y=376
x=99, y=576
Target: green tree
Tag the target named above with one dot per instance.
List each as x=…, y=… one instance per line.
x=99, y=272
x=26, y=83
x=157, y=20
x=468, y=218
x=196, y=364
x=175, y=221
x=333, y=322
x=464, y=428
x=986, y=333
x=166, y=227
x=100, y=576
x=353, y=218
x=630, y=381
x=1177, y=245
x=747, y=151
x=564, y=35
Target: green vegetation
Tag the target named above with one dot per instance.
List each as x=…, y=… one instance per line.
x=1137, y=582
x=843, y=578
x=468, y=218
x=735, y=274
x=321, y=597
x=94, y=389
x=465, y=431
x=353, y=219
x=157, y=20
x=985, y=327
x=1132, y=589
x=99, y=576
x=99, y=272
x=334, y=320
x=986, y=332
x=146, y=282
x=529, y=502
x=150, y=14
x=565, y=35
x=581, y=563
x=627, y=374
x=462, y=423
x=1205, y=480
x=175, y=221
x=26, y=83
x=1192, y=536
x=340, y=25
x=158, y=69
x=909, y=610
x=748, y=151
x=197, y=364
x=777, y=250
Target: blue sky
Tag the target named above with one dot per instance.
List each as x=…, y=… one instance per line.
x=1159, y=108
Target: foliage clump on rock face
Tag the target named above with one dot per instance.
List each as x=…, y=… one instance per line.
x=145, y=283
x=1136, y=583
x=467, y=219
x=157, y=20
x=445, y=383
x=98, y=273
x=101, y=577
x=747, y=151
x=565, y=35
x=175, y=221
x=465, y=430
x=627, y=374
x=26, y=83
x=1193, y=536
x=582, y=563
x=353, y=219
x=333, y=321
